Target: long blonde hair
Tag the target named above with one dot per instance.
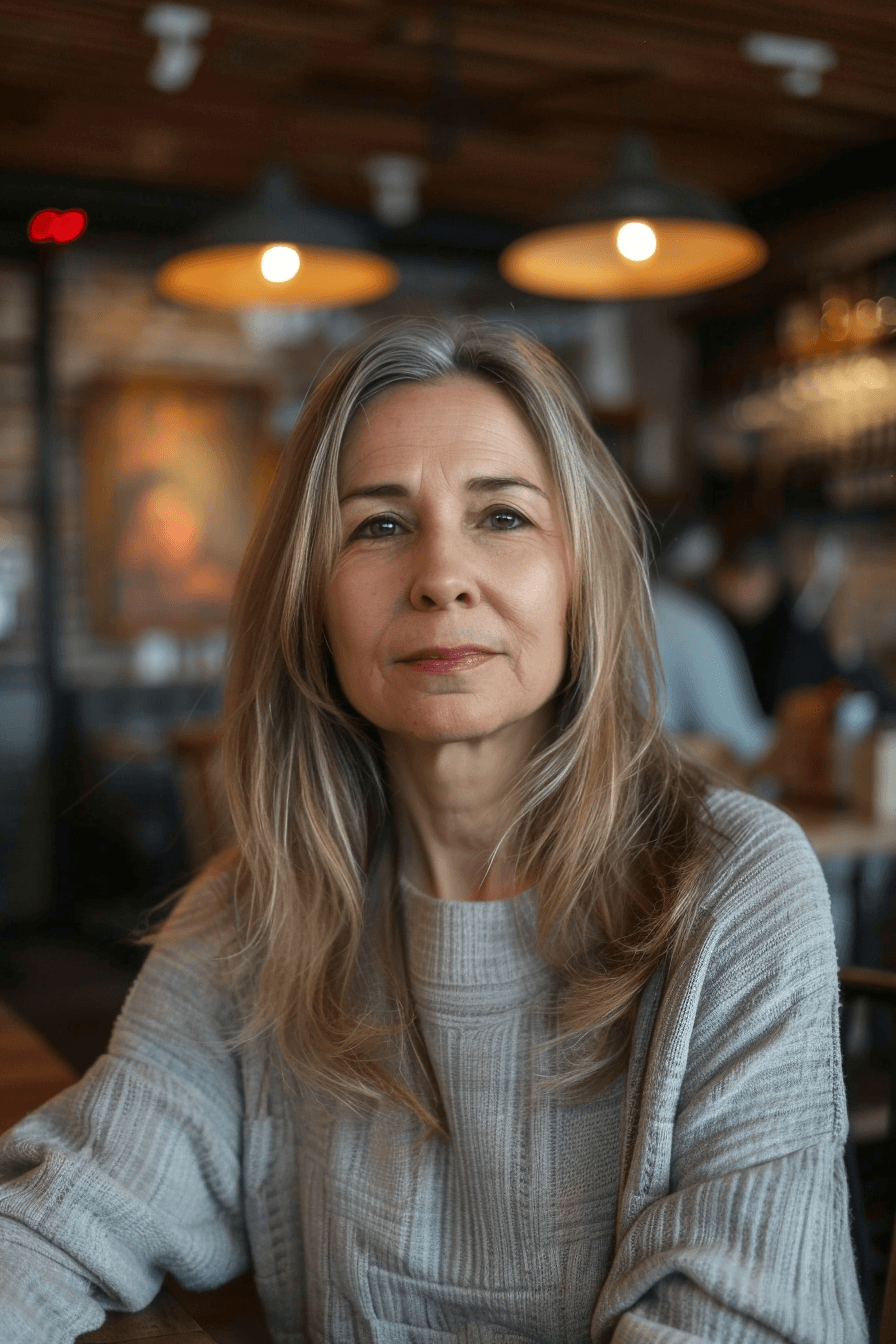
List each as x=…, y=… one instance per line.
x=608, y=823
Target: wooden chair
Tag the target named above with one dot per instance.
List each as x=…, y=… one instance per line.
x=197, y=754
x=713, y=754
x=803, y=756
x=878, y=986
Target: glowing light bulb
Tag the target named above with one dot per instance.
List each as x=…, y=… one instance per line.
x=636, y=241
x=279, y=264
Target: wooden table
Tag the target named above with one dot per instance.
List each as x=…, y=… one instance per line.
x=31, y=1073
x=164, y=1319
x=852, y=836
x=836, y=834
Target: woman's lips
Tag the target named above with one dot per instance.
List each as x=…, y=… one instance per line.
x=458, y=660
x=445, y=651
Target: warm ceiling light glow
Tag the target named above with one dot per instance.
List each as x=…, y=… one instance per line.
x=601, y=246
x=583, y=261
x=636, y=241
x=278, y=249
x=279, y=264
x=230, y=277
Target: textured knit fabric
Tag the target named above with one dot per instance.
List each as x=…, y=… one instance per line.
x=702, y=1197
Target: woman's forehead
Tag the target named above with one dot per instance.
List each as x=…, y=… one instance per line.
x=459, y=414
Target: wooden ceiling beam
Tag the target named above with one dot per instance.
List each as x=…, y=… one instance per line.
x=551, y=165
x=543, y=93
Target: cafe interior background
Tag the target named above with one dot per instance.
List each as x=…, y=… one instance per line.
x=415, y=157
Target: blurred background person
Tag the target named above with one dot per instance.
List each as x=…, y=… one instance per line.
x=709, y=691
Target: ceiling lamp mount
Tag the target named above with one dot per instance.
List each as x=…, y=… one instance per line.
x=280, y=249
x=395, y=187
x=801, y=60
x=637, y=235
x=178, y=29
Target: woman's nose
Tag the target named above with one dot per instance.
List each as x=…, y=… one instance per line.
x=443, y=570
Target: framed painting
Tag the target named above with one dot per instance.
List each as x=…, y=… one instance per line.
x=174, y=469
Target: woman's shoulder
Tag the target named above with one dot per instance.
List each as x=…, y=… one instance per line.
x=173, y=1042
x=764, y=882
x=742, y=820
x=188, y=949
x=201, y=913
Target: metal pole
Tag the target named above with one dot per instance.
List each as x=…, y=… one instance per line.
x=49, y=659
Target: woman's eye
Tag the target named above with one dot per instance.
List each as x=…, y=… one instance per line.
x=388, y=520
x=509, y=513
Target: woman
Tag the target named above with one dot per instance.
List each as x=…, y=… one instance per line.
x=496, y=1025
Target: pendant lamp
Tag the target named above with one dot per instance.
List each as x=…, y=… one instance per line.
x=636, y=236
x=280, y=249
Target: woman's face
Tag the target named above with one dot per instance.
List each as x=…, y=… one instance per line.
x=437, y=554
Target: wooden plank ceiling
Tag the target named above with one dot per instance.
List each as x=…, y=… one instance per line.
x=515, y=113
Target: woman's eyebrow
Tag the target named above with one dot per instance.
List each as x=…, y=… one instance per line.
x=476, y=485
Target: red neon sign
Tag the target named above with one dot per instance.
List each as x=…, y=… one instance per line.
x=56, y=226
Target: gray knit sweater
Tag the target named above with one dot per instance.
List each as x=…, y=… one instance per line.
x=702, y=1197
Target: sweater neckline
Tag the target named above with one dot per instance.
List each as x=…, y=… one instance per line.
x=483, y=950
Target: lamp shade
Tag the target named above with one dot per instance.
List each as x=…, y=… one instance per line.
x=328, y=261
x=636, y=236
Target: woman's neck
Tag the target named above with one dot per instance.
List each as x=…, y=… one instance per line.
x=451, y=804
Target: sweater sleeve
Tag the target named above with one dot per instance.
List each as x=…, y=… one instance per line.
x=734, y=1219
x=132, y=1173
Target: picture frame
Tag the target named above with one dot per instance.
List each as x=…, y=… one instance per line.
x=175, y=468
